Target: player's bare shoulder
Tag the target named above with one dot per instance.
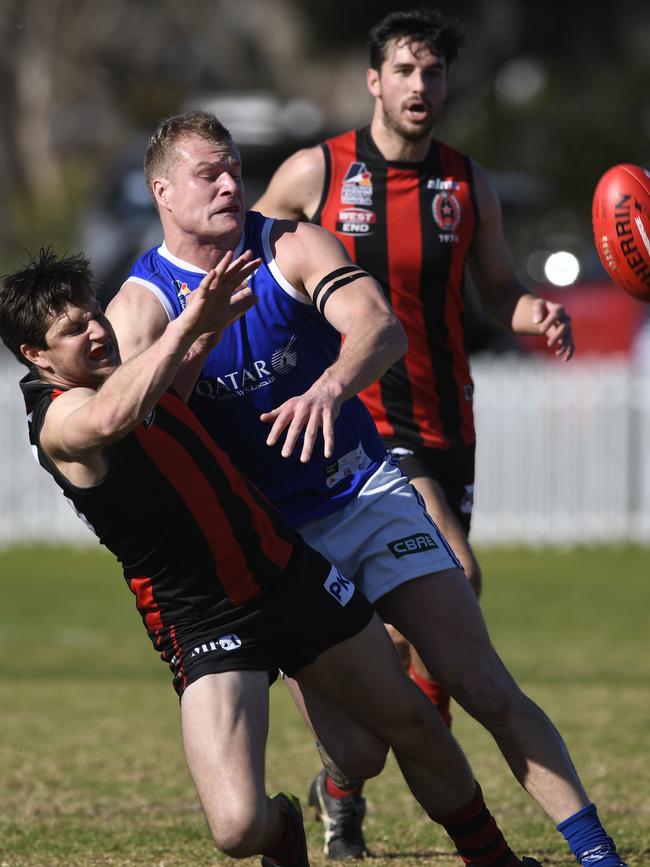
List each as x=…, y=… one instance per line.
x=291, y=239
x=137, y=318
x=295, y=189
x=303, y=250
x=61, y=418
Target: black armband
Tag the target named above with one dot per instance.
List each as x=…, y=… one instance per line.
x=347, y=275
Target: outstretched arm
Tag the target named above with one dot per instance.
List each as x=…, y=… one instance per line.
x=506, y=299
x=139, y=319
x=82, y=422
x=351, y=301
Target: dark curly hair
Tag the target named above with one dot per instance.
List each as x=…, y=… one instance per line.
x=161, y=151
x=33, y=296
x=442, y=36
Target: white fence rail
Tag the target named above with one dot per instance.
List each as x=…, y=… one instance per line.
x=563, y=457
x=563, y=452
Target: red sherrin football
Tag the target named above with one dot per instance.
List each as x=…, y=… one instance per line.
x=621, y=221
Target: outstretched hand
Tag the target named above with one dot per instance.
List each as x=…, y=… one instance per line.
x=552, y=320
x=316, y=409
x=221, y=297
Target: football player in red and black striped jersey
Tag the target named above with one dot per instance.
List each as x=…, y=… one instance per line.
x=414, y=212
x=228, y=593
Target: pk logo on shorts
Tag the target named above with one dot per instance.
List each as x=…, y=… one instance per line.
x=340, y=588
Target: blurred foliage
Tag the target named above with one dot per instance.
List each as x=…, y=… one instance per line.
x=81, y=79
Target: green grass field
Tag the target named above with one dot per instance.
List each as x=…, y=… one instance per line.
x=90, y=756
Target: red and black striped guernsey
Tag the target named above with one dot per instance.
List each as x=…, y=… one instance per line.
x=410, y=226
x=195, y=539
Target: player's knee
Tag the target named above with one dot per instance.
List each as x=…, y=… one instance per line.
x=492, y=708
x=490, y=696
x=362, y=760
x=418, y=722
x=369, y=763
x=240, y=834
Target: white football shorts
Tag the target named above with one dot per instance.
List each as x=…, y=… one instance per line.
x=382, y=538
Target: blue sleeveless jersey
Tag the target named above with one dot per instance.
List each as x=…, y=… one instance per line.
x=275, y=352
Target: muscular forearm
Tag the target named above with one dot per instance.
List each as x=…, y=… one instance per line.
x=190, y=369
x=529, y=314
x=132, y=391
x=366, y=353
x=371, y=345
x=513, y=309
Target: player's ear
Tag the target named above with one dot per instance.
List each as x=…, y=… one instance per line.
x=160, y=190
x=34, y=355
x=372, y=80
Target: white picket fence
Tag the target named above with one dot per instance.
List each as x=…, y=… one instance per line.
x=563, y=457
x=563, y=452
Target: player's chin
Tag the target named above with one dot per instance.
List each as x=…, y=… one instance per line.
x=94, y=378
x=415, y=131
x=105, y=369
x=229, y=219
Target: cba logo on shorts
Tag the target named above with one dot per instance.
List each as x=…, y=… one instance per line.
x=411, y=545
x=342, y=589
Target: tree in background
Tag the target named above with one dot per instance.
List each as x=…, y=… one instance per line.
x=547, y=94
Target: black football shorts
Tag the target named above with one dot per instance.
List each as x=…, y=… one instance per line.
x=311, y=608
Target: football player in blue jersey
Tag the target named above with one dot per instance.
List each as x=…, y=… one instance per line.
x=299, y=431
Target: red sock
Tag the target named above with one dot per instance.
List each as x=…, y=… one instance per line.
x=287, y=848
x=333, y=790
x=436, y=694
x=476, y=835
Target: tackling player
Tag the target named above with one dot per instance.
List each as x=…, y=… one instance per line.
x=230, y=594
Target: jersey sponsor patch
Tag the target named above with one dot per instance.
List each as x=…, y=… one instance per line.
x=285, y=359
x=357, y=185
x=259, y=374
x=342, y=589
x=356, y=221
x=348, y=464
x=447, y=213
x=182, y=291
x=411, y=545
x=224, y=642
x=443, y=184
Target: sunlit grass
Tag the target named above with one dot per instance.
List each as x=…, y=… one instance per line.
x=90, y=756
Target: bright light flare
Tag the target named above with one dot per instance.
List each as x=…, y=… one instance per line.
x=562, y=268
